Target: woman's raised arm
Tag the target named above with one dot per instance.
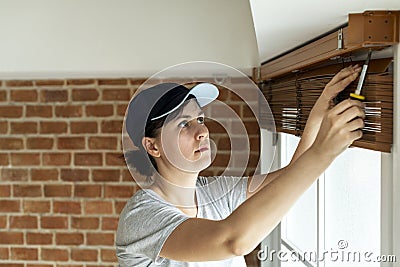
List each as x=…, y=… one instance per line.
x=247, y=226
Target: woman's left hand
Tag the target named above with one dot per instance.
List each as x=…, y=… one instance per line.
x=324, y=103
x=337, y=84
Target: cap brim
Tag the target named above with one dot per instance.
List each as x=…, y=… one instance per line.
x=205, y=93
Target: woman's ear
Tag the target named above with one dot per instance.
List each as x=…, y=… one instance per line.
x=150, y=146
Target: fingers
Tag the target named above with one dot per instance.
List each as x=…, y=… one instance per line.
x=346, y=104
x=354, y=135
x=355, y=125
x=345, y=73
x=351, y=114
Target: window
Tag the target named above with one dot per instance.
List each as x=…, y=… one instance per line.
x=341, y=209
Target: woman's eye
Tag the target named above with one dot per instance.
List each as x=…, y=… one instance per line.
x=183, y=124
x=200, y=120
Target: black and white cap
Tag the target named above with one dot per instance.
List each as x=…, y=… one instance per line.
x=160, y=100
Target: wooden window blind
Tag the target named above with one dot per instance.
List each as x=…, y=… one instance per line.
x=293, y=81
x=292, y=97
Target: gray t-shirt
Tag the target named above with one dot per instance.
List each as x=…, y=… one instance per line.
x=146, y=221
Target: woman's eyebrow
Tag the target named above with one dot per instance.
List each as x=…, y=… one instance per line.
x=189, y=116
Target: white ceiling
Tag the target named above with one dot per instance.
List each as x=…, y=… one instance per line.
x=283, y=24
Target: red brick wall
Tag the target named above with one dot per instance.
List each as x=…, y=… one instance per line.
x=62, y=183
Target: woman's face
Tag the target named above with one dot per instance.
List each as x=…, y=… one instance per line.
x=184, y=140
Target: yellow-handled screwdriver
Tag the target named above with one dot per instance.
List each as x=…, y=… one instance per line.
x=357, y=94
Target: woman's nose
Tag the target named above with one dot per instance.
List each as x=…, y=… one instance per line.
x=201, y=132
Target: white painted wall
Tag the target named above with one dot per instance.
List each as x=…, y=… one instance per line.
x=71, y=38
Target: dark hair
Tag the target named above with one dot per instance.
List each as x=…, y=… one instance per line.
x=140, y=159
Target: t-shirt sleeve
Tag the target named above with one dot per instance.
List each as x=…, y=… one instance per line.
x=230, y=189
x=143, y=228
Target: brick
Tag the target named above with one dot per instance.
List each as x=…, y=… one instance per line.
x=35, y=206
x=68, y=111
x=3, y=96
x=115, y=159
x=100, y=239
x=87, y=190
x=105, y=175
x=39, y=265
x=137, y=81
x=53, y=222
x=224, y=94
x=11, y=143
x=108, y=255
x=67, y=207
x=98, y=207
x=50, y=254
x=255, y=144
x=111, y=126
x=24, y=253
x=4, y=253
x=74, y=175
x=3, y=222
x=88, y=159
x=83, y=127
x=102, y=143
x=118, y=191
x=119, y=205
x=116, y=94
x=221, y=160
x=56, y=159
x=247, y=112
x=53, y=95
x=23, y=222
x=69, y=238
x=11, y=265
x=81, y=81
x=222, y=110
x=109, y=223
x=99, y=110
x=224, y=143
x=41, y=111
x=8, y=174
x=19, y=83
x=24, y=95
x=23, y=127
x=49, y=82
x=112, y=82
x=85, y=223
x=3, y=127
x=57, y=190
x=126, y=176
x=252, y=127
x=39, y=238
x=121, y=109
x=215, y=127
x=71, y=143
x=85, y=94
x=84, y=254
x=44, y=174
x=39, y=143
x=25, y=159
x=51, y=127
x=27, y=190
x=252, y=160
x=5, y=190
x=10, y=111
x=11, y=238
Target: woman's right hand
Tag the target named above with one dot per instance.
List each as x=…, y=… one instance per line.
x=340, y=127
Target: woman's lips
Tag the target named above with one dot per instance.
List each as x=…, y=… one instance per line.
x=202, y=149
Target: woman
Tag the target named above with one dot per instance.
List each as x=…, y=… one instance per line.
x=182, y=219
